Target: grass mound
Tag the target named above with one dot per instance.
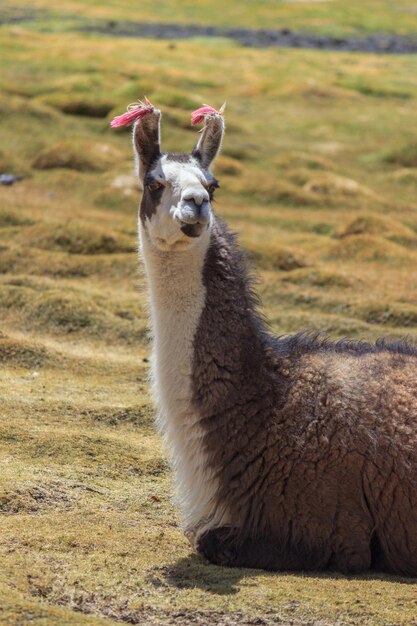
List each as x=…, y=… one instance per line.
x=272, y=190
x=81, y=105
x=238, y=152
x=127, y=184
x=10, y=163
x=22, y=353
x=37, y=262
x=174, y=119
x=272, y=257
x=379, y=226
x=332, y=185
x=17, y=106
x=12, y=218
x=376, y=89
x=405, y=175
x=82, y=157
x=76, y=313
x=291, y=160
x=320, y=278
x=176, y=99
x=138, y=416
x=404, y=315
x=36, y=498
x=119, y=200
x=70, y=312
x=368, y=248
x=374, y=225
x=319, y=91
x=64, y=314
x=77, y=238
x=109, y=454
x=405, y=155
x=227, y=166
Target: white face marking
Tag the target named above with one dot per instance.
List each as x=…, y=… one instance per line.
x=185, y=191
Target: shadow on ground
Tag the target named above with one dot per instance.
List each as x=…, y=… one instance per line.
x=192, y=571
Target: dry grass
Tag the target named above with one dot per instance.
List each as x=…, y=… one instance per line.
x=321, y=186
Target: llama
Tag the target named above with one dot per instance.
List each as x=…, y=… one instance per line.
x=288, y=453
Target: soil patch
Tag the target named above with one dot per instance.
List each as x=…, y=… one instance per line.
x=386, y=43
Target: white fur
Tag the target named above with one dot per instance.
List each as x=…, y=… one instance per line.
x=174, y=266
x=180, y=180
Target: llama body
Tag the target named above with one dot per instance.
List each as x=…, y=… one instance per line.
x=288, y=453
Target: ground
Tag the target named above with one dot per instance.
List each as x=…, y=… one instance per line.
x=319, y=177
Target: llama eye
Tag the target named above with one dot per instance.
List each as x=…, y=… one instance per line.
x=154, y=186
x=212, y=188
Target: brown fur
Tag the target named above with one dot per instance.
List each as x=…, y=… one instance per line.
x=314, y=442
x=209, y=143
x=146, y=141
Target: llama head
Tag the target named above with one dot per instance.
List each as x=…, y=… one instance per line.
x=175, y=212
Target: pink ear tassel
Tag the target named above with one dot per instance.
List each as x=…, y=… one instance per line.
x=200, y=114
x=135, y=112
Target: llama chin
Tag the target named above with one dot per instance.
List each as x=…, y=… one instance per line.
x=290, y=452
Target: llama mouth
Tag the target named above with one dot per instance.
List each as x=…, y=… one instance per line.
x=193, y=230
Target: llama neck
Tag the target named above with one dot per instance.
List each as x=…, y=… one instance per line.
x=231, y=343
x=207, y=334
x=208, y=342
x=177, y=297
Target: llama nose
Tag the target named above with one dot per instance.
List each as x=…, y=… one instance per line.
x=198, y=196
x=195, y=210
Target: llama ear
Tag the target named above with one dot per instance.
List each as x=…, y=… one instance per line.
x=210, y=141
x=146, y=141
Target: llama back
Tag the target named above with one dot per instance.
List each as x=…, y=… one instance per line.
x=357, y=388
x=348, y=456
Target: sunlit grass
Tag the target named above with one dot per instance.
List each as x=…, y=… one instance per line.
x=318, y=176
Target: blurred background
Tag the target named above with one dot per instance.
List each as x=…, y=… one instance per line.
x=318, y=175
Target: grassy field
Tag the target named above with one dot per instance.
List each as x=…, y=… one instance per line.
x=319, y=176
x=334, y=17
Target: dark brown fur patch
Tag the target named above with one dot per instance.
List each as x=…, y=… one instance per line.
x=151, y=197
x=209, y=142
x=146, y=141
x=149, y=203
x=314, y=442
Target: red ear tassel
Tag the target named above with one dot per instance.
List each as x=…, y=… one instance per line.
x=200, y=114
x=134, y=112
